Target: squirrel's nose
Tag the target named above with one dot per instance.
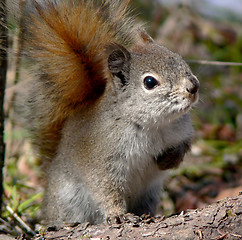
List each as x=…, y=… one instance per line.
x=193, y=85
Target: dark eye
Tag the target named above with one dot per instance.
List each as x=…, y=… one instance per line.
x=150, y=82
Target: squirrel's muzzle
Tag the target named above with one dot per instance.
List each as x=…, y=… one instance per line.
x=193, y=85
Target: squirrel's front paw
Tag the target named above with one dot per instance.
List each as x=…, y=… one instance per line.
x=172, y=157
x=128, y=217
x=116, y=219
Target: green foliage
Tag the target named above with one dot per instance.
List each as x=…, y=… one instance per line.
x=21, y=196
x=22, y=204
x=226, y=51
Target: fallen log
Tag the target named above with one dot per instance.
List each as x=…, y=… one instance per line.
x=221, y=220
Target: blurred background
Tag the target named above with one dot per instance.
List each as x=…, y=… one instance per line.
x=199, y=30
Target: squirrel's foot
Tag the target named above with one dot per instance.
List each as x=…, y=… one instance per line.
x=124, y=218
x=117, y=219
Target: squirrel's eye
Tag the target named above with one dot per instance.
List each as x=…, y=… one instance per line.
x=150, y=82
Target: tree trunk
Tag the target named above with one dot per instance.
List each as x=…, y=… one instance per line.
x=3, y=71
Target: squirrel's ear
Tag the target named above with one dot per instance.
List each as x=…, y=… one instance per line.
x=118, y=58
x=146, y=38
x=118, y=62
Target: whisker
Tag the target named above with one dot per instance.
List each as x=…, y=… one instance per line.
x=201, y=100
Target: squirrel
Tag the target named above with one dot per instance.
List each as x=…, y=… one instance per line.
x=107, y=109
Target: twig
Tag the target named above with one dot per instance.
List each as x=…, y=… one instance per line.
x=200, y=234
x=218, y=63
x=21, y=222
x=223, y=235
x=10, y=227
x=3, y=75
x=236, y=235
x=19, y=46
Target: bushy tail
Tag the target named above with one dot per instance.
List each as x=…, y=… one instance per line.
x=67, y=41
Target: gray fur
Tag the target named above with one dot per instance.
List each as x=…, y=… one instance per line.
x=105, y=162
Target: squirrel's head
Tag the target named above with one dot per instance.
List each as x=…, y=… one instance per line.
x=151, y=82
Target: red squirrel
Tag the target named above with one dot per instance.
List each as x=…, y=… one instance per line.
x=107, y=109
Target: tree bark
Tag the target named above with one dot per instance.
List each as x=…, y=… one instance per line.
x=3, y=72
x=220, y=220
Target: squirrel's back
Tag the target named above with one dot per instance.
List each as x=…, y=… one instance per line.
x=69, y=41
